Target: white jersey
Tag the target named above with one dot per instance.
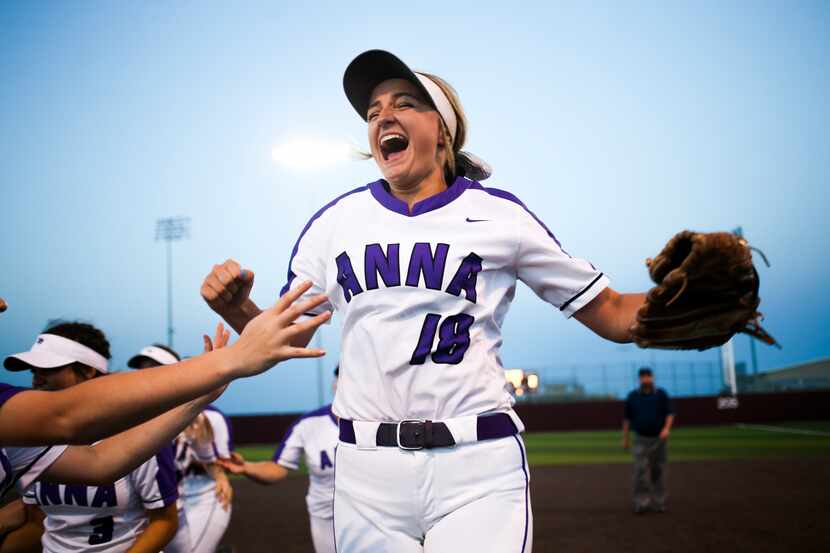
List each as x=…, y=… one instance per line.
x=313, y=438
x=104, y=518
x=423, y=296
x=191, y=457
x=20, y=467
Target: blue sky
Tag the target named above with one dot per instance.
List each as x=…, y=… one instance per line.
x=618, y=124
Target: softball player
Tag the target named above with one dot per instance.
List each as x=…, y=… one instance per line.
x=423, y=265
x=205, y=492
x=136, y=513
x=312, y=438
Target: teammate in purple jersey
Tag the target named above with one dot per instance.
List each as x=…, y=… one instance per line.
x=422, y=266
x=99, y=409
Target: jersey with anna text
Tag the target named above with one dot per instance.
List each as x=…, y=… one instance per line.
x=422, y=295
x=20, y=467
x=104, y=518
x=312, y=438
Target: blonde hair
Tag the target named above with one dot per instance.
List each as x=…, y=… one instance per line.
x=450, y=170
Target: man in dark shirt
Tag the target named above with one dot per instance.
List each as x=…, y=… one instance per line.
x=649, y=412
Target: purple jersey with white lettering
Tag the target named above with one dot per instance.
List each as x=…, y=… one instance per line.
x=20, y=467
x=104, y=518
x=422, y=296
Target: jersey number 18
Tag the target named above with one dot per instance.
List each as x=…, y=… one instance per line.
x=453, y=339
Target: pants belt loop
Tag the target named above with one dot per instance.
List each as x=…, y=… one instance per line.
x=428, y=434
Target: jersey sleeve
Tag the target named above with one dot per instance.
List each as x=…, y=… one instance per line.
x=29, y=463
x=220, y=427
x=290, y=451
x=155, y=480
x=564, y=281
x=307, y=260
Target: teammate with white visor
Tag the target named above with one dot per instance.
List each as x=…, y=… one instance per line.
x=32, y=422
x=422, y=266
x=311, y=439
x=135, y=513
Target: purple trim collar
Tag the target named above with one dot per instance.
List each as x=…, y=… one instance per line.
x=390, y=202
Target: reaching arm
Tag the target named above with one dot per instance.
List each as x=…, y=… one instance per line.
x=162, y=527
x=224, y=490
x=263, y=472
x=611, y=314
x=12, y=516
x=26, y=538
x=102, y=407
x=114, y=457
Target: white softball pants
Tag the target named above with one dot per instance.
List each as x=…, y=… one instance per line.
x=322, y=534
x=472, y=497
x=207, y=521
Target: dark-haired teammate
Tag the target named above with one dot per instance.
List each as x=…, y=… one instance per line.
x=136, y=513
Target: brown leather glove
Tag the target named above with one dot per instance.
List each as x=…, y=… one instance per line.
x=707, y=291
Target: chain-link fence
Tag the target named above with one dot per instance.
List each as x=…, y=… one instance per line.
x=614, y=380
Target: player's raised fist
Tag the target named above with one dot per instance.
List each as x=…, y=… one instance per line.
x=227, y=286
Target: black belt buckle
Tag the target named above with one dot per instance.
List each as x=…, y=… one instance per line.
x=412, y=435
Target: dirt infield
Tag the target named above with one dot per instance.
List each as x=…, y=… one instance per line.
x=725, y=507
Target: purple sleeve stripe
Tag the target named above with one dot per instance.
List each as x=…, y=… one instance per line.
x=291, y=275
x=7, y=391
x=505, y=195
x=166, y=476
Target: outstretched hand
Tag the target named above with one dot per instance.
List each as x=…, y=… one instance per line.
x=235, y=464
x=220, y=339
x=267, y=339
x=3, y=305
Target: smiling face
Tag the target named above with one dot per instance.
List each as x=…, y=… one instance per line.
x=404, y=134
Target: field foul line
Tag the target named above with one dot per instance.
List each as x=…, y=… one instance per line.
x=783, y=430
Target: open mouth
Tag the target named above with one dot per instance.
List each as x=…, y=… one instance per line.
x=393, y=145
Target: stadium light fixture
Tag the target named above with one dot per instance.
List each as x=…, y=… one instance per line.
x=171, y=229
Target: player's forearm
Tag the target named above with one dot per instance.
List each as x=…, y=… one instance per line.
x=162, y=528
x=114, y=457
x=239, y=318
x=25, y=539
x=265, y=472
x=611, y=314
x=12, y=516
x=669, y=423
x=102, y=407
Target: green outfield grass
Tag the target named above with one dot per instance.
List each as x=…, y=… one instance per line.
x=686, y=444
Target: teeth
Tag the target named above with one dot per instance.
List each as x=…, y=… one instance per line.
x=391, y=136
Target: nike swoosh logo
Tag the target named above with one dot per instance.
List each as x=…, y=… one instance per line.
x=476, y=220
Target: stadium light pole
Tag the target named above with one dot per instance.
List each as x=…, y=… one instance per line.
x=171, y=229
